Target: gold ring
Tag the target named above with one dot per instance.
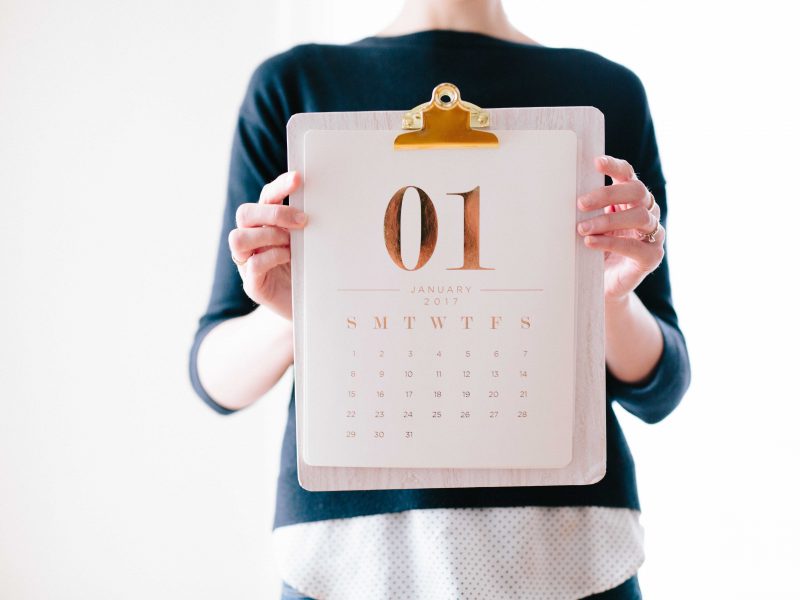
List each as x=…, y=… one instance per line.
x=650, y=238
x=239, y=263
x=652, y=202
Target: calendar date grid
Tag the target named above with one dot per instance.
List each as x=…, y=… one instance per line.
x=426, y=390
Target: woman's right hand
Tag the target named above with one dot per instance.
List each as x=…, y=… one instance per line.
x=260, y=244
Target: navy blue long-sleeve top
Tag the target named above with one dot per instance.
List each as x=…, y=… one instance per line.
x=393, y=73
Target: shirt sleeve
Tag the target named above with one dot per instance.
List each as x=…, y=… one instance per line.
x=656, y=397
x=258, y=155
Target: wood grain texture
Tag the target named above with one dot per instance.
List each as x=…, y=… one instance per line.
x=589, y=436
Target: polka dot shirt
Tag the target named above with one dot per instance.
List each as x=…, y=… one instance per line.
x=526, y=552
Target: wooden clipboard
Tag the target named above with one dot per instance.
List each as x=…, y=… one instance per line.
x=454, y=135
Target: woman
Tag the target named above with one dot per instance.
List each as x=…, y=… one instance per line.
x=532, y=542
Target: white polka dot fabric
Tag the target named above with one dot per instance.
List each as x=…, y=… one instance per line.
x=526, y=552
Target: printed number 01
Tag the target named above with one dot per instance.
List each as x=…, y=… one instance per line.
x=429, y=229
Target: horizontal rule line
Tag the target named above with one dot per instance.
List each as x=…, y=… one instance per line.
x=481, y=289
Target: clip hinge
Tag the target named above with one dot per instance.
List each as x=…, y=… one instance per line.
x=445, y=121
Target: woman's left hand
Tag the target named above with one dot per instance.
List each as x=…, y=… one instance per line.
x=621, y=231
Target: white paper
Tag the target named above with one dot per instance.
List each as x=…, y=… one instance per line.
x=496, y=395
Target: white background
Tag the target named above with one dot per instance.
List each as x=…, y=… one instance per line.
x=115, y=128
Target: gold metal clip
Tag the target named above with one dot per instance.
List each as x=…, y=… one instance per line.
x=445, y=122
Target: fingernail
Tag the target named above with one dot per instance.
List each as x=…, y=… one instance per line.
x=584, y=227
x=300, y=217
x=590, y=239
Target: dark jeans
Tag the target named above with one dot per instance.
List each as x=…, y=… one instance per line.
x=629, y=590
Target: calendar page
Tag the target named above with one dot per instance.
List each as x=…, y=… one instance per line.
x=439, y=302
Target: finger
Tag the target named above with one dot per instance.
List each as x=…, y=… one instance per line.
x=633, y=192
x=645, y=254
x=656, y=211
x=251, y=214
x=280, y=187
x=638, y=218
x=265, y=260
x=243, y=241
x=618, y=169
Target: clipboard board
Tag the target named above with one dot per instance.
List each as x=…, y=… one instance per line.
x=448, y=319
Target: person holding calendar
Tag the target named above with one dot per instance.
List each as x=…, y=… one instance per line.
x=526, y=542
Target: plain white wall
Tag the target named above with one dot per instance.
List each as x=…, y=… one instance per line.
x=115, y=127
